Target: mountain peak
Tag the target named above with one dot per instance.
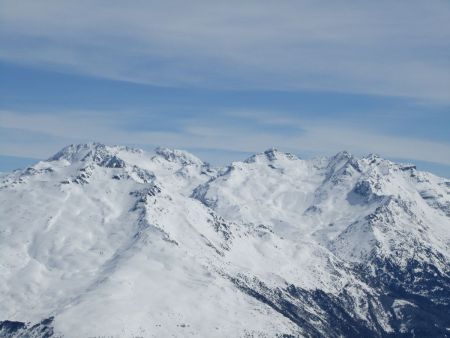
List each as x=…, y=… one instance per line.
x=342, y=155
x=95, y=152
x=340, y=159
x=78, y=152
x=271, y=154
x=372, y=158
x=178, y=156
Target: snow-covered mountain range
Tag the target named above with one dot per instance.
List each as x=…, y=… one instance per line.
x=117, y=242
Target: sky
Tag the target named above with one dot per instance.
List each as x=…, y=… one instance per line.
x=226, y=79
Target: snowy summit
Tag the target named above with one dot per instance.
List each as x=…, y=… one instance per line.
x=112, y=241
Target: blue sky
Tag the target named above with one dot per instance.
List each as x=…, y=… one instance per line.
x=225, y=80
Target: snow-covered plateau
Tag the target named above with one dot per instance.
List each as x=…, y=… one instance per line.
x=110, y=241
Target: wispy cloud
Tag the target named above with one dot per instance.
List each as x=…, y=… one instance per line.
x=318, y=137
x=376, y=47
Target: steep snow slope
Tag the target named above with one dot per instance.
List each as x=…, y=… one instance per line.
x=114, y=241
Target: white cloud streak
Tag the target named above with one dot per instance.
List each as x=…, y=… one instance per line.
x=374, y=47
x=324, y=137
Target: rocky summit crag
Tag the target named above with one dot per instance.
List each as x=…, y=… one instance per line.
x=118, y=242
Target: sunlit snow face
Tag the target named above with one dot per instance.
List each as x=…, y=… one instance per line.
x=97, y=232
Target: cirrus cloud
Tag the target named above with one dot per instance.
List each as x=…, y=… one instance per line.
x=385, y=48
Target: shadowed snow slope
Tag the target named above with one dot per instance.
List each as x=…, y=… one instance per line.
x=112, y=241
